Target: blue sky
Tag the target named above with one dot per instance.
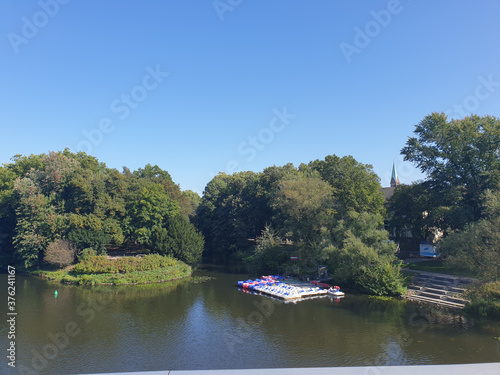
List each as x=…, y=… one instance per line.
x=199, y=87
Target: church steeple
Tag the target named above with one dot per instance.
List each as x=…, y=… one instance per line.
x=394, y=178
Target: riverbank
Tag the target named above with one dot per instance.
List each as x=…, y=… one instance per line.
x=99, y=270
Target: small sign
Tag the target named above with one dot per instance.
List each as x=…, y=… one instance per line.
x=294, y=257
x=427, y=250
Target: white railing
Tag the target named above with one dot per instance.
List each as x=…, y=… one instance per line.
x=467, y=369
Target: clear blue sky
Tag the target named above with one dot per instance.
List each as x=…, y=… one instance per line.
x=100, y=67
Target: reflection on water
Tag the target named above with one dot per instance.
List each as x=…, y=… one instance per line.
x=187, y=325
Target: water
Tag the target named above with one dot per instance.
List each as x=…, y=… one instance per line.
x=185, y=325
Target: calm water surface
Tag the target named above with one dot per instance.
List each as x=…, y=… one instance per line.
x=187, y=325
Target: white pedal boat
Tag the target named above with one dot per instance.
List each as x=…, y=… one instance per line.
x=335, y=291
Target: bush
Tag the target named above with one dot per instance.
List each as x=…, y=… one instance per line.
x=475, y=249
x=85, y=254
x=60, y=253
x=485, y=300
x=100, y=264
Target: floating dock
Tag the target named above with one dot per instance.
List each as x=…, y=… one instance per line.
x=275, y=287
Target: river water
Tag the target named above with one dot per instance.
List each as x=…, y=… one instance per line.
x=189, y=324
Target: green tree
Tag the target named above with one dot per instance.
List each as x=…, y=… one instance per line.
x=459, y=156
x=476, y=248
x=187, y=242
x=149, y=206
x=95, y=239
x=362, y=256
x=230, y=214
x=355, y=185
x=426, y=212
x=37, y=224
x=269, y=254
x=193, y=201
x=303, y=205
x=180, y=239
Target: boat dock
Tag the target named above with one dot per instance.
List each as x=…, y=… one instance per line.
x=288, y=292
x=274, y=286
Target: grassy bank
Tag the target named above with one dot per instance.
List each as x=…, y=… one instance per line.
x=98, y=270
x=438, y=266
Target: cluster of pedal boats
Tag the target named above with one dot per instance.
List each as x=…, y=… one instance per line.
x=276, y=286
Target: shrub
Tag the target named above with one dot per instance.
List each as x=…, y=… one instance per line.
x=85, y=254
x=60, y=253
x=101, y=264
x=485, y=300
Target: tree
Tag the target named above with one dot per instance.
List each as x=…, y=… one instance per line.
x=269, y=254
x=303, y=204
x=38, y=223
x=355, y=185
x=180, y=239
x=149, y=206
x=62, y=194
x=426, y=212
x=476, y=248
x=361, y=255
x=459, y=156
x=231, y=212
x=193, y=201
x=95, y=239
x=60, y=253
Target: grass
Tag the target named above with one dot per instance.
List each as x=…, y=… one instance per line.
x=438, y=266
x=123, y=271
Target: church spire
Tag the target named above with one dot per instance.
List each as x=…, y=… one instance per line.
x=394, y=178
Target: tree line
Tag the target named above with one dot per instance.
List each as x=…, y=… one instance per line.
x=60, y=205
x=327, y=212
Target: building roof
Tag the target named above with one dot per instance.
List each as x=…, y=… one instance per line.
x=387, y=192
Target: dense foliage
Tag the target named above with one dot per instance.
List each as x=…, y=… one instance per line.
x=462, y=161
x=62, y=195
x=101, y=264
x=458, y=203
x=328, y=212
x=485, y=300
x=476, y=248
